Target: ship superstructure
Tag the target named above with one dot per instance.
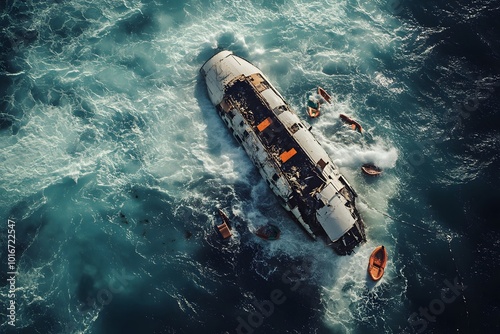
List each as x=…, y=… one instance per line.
x=281, y=146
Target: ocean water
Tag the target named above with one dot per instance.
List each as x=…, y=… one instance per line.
x=113, y=163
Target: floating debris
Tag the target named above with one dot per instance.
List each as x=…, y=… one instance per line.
x=225, y=227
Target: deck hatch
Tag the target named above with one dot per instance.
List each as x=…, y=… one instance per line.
x=264, y=124
x=285, y=156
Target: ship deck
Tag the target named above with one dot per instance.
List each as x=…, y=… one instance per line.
x=287, y=154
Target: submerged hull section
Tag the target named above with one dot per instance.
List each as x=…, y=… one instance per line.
x=296, y=167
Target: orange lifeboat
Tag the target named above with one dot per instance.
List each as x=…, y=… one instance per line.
x=354, y=125
x=313, y=109
x=377, y=263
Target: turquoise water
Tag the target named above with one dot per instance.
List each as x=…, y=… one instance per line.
x=114, y=162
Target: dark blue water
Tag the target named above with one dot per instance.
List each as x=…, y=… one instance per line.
x=113, y=163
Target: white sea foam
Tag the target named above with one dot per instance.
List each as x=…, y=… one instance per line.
x=148, y=120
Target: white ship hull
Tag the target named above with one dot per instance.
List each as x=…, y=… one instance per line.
x=296, y=167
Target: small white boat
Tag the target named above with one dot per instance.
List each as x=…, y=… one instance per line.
x=371, y=170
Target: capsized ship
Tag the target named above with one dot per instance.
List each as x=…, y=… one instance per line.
x=281, y=146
